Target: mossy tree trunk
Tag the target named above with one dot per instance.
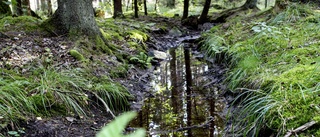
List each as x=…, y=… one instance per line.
x=117, y=7
x=204, y=14
x=73, y=17
x=4, y=8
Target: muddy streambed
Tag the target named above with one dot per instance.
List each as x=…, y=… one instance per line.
x=186, y=97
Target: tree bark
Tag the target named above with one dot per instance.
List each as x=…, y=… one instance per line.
x=155, y=5
x=185, y=9
x=19, y=8
x=74, y=17
x=145, y=7
x=4, y=8
x=204, y=14
x=250, y=4
x=171, y=3
x=136, y=9
x=117, y=7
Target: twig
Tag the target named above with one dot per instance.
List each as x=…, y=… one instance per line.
x=105, y=105
x=301, y=128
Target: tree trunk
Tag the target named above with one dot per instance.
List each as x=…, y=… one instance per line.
x=171, y=3
x=43, y=5
x=204, y=14
x=189, y=87
x=136, y=9
x=74, y=17
x=4, y=8
x=155, y=5
x=185, y=9
x=19, y=8
x=38, y=5
x=26, y=5
x=49, y=7
x=250, y=4
x=128, y=3
x=117, y=7
x=145, y=7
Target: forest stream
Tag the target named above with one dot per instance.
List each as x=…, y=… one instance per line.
x=185, y=95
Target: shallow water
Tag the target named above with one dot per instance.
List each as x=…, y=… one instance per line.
x=185, y=101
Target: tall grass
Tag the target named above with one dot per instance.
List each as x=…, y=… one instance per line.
x=51, y=90
x=61, y=88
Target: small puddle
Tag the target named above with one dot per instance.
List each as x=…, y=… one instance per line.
x=184, y=102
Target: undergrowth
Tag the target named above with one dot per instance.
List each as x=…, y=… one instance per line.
x=49, y=92
x=274, y=67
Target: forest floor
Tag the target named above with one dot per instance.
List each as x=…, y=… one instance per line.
x=24, y=48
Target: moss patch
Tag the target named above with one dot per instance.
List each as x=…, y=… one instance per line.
x=21, y=23
x=278, y=57
x=74, y=53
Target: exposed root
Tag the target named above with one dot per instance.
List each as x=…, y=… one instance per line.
x=105, y=104
x=300, y=129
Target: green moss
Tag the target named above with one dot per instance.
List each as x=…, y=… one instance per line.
x=74, y=53
x=101, y=45
x=136, y=46
x=279, y=57
x=21, y=23
x=119, y=71
x=138, y=35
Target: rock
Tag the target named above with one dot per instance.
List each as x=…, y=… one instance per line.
x=158, y=54
x=175, y=32
x=2, y=35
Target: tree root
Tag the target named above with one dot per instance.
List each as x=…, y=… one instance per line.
x=300, y=129
x=105, y=104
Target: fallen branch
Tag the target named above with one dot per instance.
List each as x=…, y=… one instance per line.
x=205, y=125
x=105, y=104
x=301, y=128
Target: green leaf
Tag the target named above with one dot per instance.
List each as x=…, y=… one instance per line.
x=115, y=128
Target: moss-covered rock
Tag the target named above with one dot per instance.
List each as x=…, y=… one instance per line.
x=74, y=53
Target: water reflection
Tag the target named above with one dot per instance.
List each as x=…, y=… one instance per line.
x=185, y=103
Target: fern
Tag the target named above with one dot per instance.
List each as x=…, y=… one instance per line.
x=115, y=128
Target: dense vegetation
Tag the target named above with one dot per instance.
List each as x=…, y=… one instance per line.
x=274, y=61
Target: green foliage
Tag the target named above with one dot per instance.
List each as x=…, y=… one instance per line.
x=61, y=88
x=138, y=35
x=280, y=57
x=143, y=59
x=113, y=94
x=254, y=108
x=116, y=127
x=49, y=92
